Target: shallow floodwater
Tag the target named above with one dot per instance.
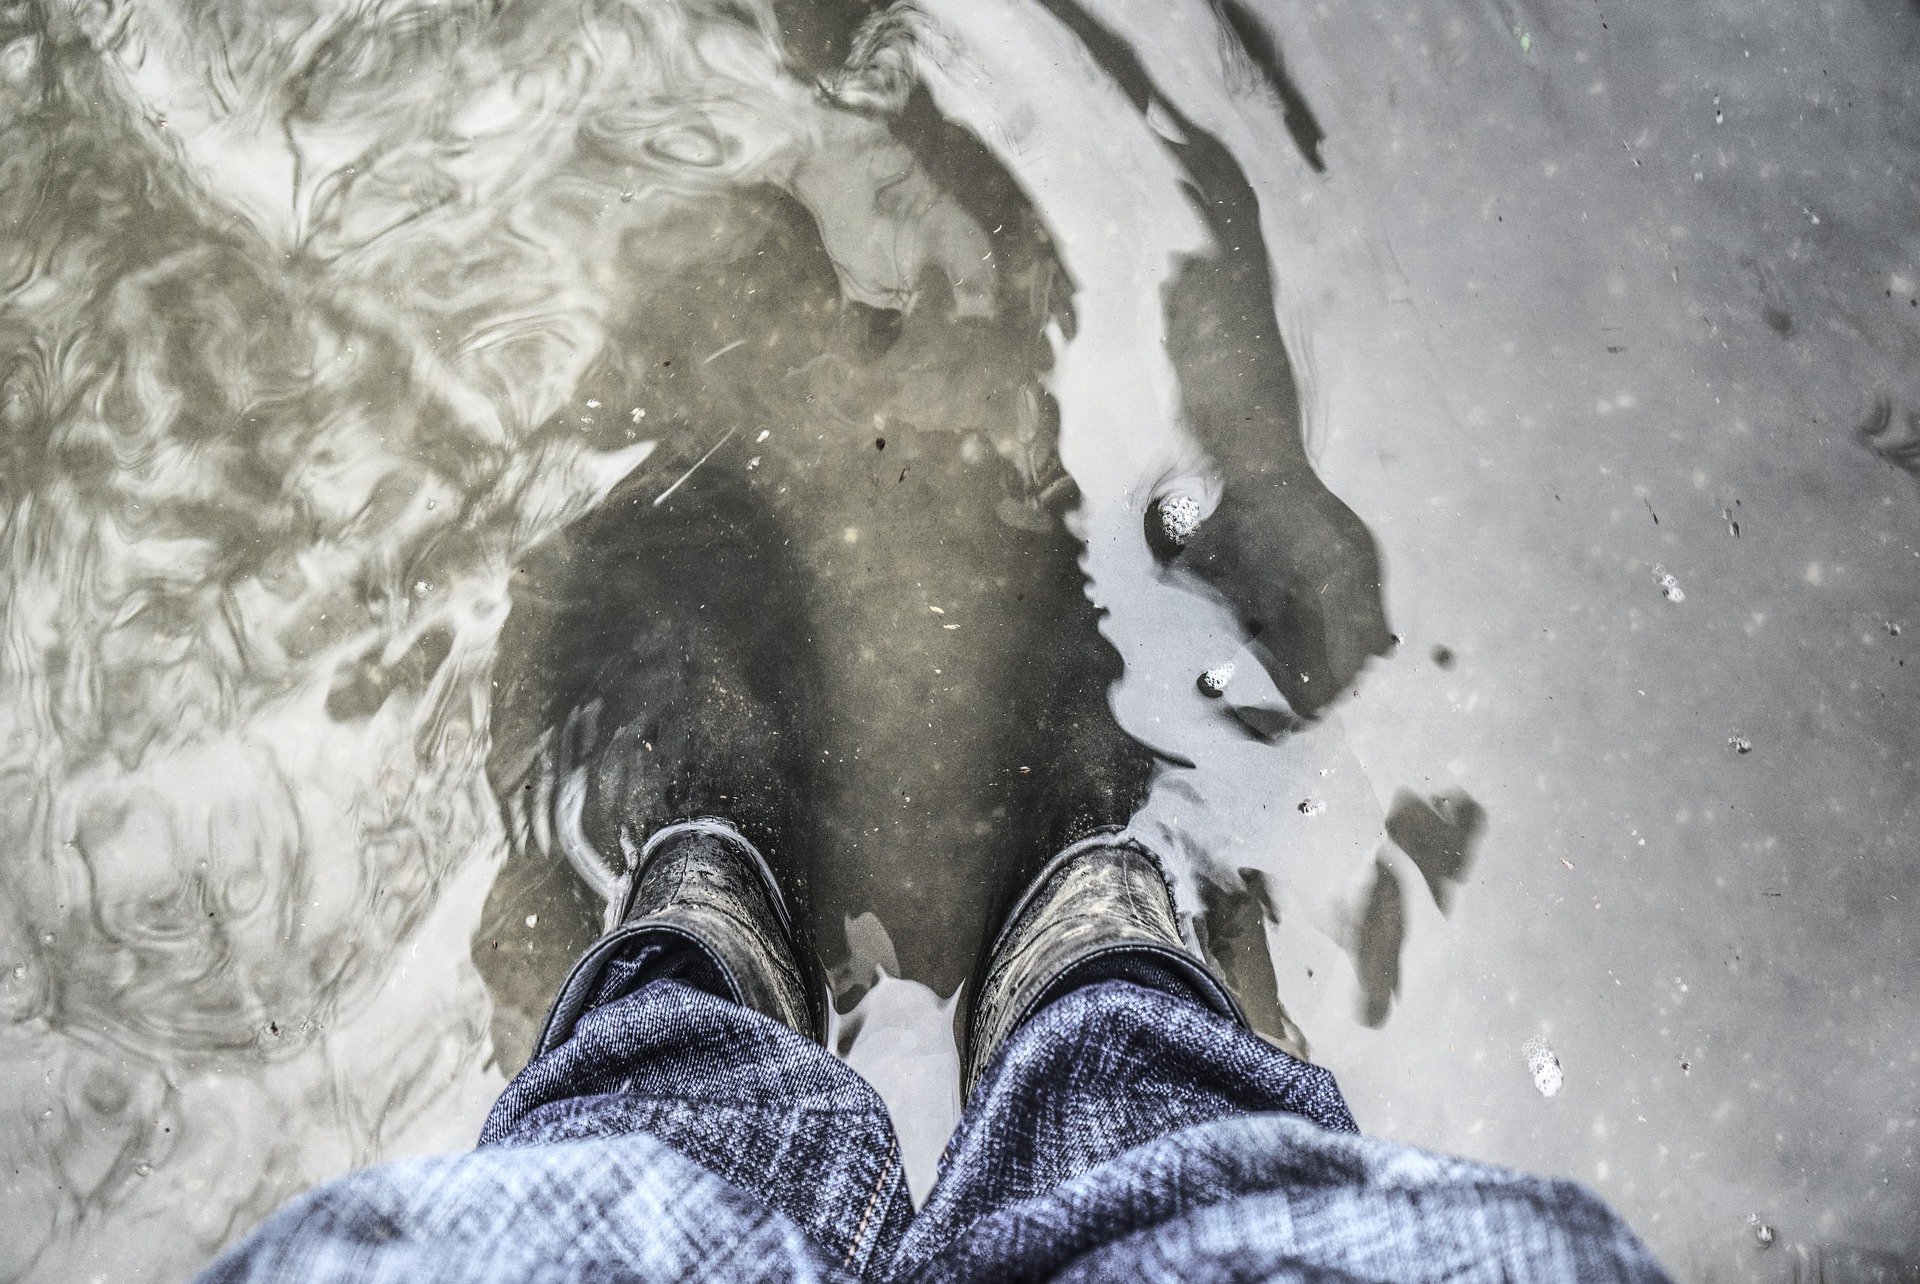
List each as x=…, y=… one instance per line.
x=377, y=379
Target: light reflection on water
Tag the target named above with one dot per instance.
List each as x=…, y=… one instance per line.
x=371, y=372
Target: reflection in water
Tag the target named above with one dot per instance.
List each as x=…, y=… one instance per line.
x=877, y=489
x=1293, y=560
x=905, y=465
x=1294, y=563
x=375, y=379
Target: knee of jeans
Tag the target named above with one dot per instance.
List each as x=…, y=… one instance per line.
x=1100, y=1011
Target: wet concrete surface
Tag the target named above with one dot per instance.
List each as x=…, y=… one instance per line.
x=411, y=411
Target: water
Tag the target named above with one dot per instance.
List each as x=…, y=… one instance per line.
x=372, y=373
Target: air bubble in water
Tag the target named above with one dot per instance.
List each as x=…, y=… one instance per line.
x=1175, y=521
x=1544, y=1066
x=1213, y=682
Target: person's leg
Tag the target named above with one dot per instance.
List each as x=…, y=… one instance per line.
x=1125, y=1121
x=1099, y=1071
x=709, y=1143
x=772, y=1113
x=680, y=1118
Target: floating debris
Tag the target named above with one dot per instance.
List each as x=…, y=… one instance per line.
x=1213, y=683
x=1739, y=743
x=661, y=498
x=1669, y=586
x=1761, y=1230
x=1311, y=807
x=1544, y=1066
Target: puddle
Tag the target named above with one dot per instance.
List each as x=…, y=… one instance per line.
x=1268, y=429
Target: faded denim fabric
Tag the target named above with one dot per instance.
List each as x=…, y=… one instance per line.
x=1123, y=1133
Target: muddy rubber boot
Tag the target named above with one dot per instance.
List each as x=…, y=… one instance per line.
x=1102, y=910
x=705, y=894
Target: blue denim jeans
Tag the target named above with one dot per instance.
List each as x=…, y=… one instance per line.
x=1123, y=1132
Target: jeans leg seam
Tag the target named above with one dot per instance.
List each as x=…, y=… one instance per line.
x=866, y=1215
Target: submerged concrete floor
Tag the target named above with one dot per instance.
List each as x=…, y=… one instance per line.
x=1549, y=374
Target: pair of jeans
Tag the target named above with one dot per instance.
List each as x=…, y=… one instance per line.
x=1123, y=1132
